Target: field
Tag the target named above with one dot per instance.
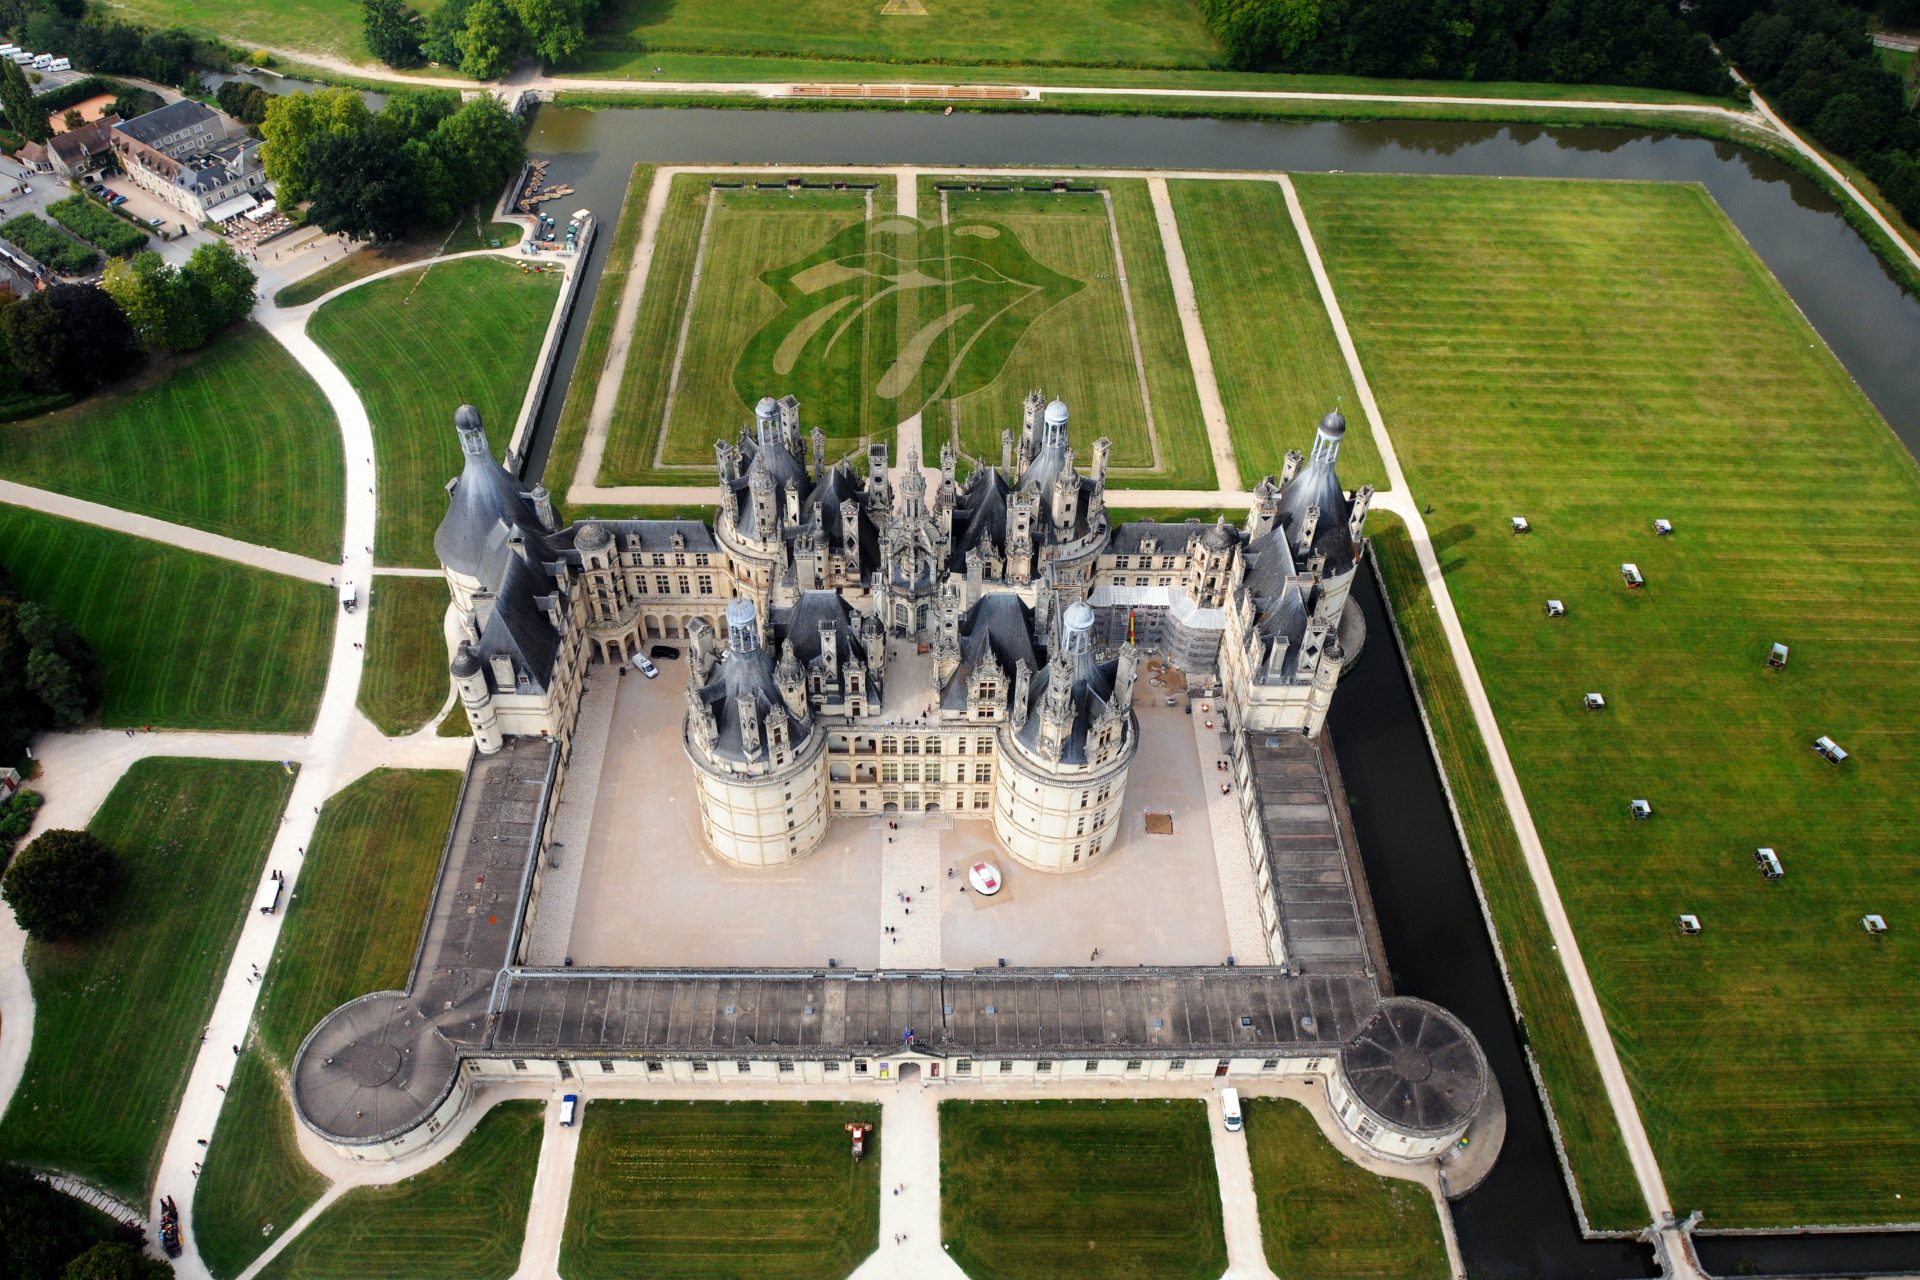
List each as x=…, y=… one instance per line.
x=461, y=1219
x=405, y=679
x=417, y=346
x=118, y=1015
x=1079, y=346
x=570, y=432
x=1322, y=1217
x=185, y=641
x=371, y=259
x=363, y=891
x=1275, y=359
x=1145, y=32
x=256, y=1182
x=64, y=254
x=235, y=439
x=1594, y=356
x=1113, y=1190
x=324, y=26
x=1609, y=1193
x=753, y=235
x=366, y=880
x=92, y=222
x=713, y=1189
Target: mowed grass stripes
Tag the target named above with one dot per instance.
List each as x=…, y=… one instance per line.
x=405, y=679
x=118, y=1015
x=185, y=641
x=1594, y=356
x=461, y=1219
x=1275, y=358
x=713, y=1189
x=1089, y=1189
x=235, y=439
x=418, y=347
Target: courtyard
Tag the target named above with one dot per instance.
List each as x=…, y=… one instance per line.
x=650, y=893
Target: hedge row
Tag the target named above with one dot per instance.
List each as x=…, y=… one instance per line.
x=77, y=91
x=38, y=237
x=92, y=222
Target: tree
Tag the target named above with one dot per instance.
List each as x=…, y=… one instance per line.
x=23, y=114
x=157, y=301
x=222, y=284
x=245, y=102
x=135, y=101
x=72, y=118
x=294, y=129
x=364, y=189
x=393, y=30
x=114, y=1261
x=61, y=885
x=555, y=29
x=30, y=635
x=481, y=146
x=71, y=337
x=40, y=1229
x=490, y=41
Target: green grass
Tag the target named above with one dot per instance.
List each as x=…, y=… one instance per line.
x=1323, y=1217
x=185, y=641
x=235, y=439
x=714, y=1189
x=362, y=895
x=1609, y=1192
x=255, y=1182
x=1148, y=32
x=416, y=347
x=118, y=1016
x=1275, y=357
x=589, y=366
x=1593, y=356
x=468, y=235
x=461, y=1219
x=1081, y=348
x=404, y=682
x=321, y=26
x=1088, y=1190
x=755, y=232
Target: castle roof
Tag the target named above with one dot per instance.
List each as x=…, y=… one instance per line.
x=997, y=631
x=1091, y=692
x=743, y=678
x=1318, y=485
x=486, y=499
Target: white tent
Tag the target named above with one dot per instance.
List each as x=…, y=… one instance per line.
x=228, y=208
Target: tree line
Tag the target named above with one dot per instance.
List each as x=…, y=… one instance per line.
x=380, y=175
x=480, y=37
x=1813, y=61
x=101, y=43
x=1644, y=43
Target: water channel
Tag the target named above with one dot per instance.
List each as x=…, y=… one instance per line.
x=1520, y=1223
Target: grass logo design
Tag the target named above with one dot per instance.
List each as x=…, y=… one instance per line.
x=901, y=312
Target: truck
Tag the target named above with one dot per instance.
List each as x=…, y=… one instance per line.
x=1230, y=1109
x=267, y=901
x=349, y=594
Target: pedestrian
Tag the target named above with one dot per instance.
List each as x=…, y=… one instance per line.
x=222, y=1088
x=236, y=1048
x=201, y=1141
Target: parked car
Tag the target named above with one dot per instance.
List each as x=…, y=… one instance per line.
x=664, y=652
x=645, y=667
x=118, y=199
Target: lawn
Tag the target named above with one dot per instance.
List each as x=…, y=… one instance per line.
x=1078, y=345
x=1323, y=1217
x=192, y=836
x=255, y=1182
x=185, y=641
x=1594, y=356
x=461, y=1219
x=1275, y=358
x=404, y=682
x=1105, y=32
x=469, y=234
x=1609, y=1192
x=417, y=346
x=355, y=919
x=1087, y=1189
x=590, y=365
x=714, y=1190
x=321, y=26
x=753, y=233
x=235, y=439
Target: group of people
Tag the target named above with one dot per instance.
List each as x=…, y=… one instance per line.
x=248, y=234
x=170, y=1226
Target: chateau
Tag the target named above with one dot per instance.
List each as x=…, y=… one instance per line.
x=856, y=646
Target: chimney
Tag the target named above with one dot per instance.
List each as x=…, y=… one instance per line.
x=543, y=506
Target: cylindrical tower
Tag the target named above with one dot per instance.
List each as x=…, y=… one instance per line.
x=1409, y=1082
x=476, y=699
x=759, y=763
x=1064, y=756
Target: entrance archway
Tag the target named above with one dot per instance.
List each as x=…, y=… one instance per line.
x=908, y=1071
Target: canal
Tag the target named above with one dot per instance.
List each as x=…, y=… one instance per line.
x=1520, y=1223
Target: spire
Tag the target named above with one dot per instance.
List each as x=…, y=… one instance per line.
x=1326, y=441
x=473, y=436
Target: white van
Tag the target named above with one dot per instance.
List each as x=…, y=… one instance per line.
x=8, y=50
x=569, y=1106
x=1230, y=1109
x=42, y=62
x=60, y=64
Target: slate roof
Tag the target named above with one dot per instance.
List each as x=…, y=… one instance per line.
x=1318, y=485
x=800, y=626
x=999, y=626
x=485, y=499
x=744, y=676
x=1091, y=695
x=171, y=118
x=1416, y=1066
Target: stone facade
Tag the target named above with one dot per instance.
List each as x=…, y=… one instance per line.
x=895, y=643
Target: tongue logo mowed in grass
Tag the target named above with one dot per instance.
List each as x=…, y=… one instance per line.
x=901, y=313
